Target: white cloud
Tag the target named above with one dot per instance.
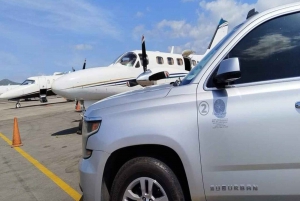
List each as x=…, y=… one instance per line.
x=233, y=11
x=139, y=14
x=277, y=42
x=200, y=34
x=83, y=47
x=78, y=16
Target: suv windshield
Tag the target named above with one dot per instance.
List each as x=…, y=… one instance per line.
x=197, y=69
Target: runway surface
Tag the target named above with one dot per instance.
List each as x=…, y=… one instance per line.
x=48, y=134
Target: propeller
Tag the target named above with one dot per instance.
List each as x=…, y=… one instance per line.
x=159, y=76
x=146, y=78
x=84, y=64
x=82, y=67
x=144, y=55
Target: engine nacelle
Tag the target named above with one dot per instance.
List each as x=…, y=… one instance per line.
x=148, y=78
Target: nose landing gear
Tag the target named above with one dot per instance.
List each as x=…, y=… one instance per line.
x=18, y=104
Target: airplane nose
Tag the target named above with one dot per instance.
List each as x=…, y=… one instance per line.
x=2, y=96
x=61, y=88
x=5, y=96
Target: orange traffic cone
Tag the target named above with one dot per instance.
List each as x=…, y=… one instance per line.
x=78, y=107
x=16, y=142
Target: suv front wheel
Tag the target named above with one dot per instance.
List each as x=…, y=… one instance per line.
x=146, y=179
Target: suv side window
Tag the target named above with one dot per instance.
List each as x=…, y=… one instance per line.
x=270, y=51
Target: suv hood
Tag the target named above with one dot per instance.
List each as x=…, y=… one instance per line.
x=146, y=93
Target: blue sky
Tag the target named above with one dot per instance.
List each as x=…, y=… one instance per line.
x=40, y=37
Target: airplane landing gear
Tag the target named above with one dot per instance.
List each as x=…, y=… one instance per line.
x=43, y=100
x=79, y=131
x=18, y=104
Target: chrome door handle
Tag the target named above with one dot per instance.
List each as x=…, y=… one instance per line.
x=297, y=105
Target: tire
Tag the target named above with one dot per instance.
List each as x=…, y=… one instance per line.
x=18, y=105
x=146, y=170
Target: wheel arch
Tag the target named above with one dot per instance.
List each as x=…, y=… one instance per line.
x=166, y=154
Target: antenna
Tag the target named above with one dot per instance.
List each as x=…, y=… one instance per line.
x=172, y=50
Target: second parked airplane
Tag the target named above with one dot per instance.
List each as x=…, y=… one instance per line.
x=91, y=85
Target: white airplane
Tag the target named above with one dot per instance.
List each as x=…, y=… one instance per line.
x=130, y=69
x=5, y=88
x=32, y=87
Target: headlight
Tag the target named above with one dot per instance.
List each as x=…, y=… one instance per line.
x=92, y=126
x=88, y=128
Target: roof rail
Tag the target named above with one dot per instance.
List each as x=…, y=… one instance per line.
x=251, y=13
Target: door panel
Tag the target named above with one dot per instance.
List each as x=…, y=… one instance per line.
x=250, y=141
x=43, y=82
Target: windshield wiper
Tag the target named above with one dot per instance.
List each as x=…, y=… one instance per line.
x=177, y=82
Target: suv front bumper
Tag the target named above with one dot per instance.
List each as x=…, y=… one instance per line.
x=91, y=173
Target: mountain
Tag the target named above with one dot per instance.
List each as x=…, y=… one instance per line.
x=7, y=82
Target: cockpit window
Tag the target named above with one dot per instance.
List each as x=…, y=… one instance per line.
x=128, y=59
x=28, y=82
x=117, y=58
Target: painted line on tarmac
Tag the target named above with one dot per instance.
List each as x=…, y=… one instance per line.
x=63, y=185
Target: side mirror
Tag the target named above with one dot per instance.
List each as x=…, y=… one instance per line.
x=229, y=70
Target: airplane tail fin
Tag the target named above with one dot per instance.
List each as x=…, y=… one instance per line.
x=219, y=34
x=172, y=50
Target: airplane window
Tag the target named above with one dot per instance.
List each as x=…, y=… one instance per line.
x=28, y=82
x=179, y=62
x=127, y=59
x=115, y=61
x=194, y=62
x=170, y=60
x=140, y=55
x=159, y=60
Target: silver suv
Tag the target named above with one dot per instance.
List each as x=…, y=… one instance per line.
x=229, y=131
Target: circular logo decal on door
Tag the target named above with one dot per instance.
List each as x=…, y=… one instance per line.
x=219, y=106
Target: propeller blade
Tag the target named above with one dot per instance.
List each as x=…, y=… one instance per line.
x=131, y=83
x=159, y=76
x=84, y=64
x=144, y=55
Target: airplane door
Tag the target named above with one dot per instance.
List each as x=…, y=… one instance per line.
x=43, y=83
x=187, y=64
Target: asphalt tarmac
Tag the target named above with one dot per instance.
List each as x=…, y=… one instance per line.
x=46, y=166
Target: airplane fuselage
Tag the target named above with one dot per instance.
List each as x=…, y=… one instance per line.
x=30, y=88
x=5, y=88
x=101, y=82
x=91, y=85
